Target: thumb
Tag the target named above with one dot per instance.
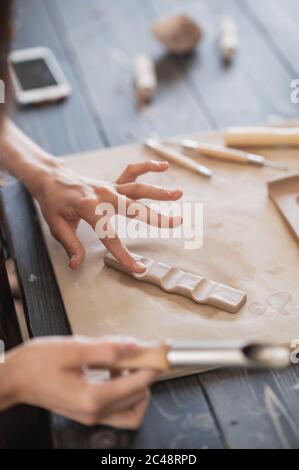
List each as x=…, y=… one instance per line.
x=67, y=236
x=99, y=353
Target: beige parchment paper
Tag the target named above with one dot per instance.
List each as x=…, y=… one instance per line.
x=246, y=245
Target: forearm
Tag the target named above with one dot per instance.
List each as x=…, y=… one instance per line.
x=22, y=158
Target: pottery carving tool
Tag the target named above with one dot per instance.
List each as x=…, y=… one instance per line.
x=228, y=42
x=145, y=77
x=229, y=154
x=205, y=355
x=176, y=157
x=261, y=136
x=176, y=281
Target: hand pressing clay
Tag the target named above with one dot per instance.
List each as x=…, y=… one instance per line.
x=179, y=33
x=173, y=280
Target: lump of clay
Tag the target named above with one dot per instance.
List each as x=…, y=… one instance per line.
x=179, y=33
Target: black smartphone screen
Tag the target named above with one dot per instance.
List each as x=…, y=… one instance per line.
x=33, y=74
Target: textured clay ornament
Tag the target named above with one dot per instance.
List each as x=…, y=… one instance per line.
x=176, y=281
x=179, y=33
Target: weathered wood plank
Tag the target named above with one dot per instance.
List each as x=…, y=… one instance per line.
x=278, y=23
x=255, y=409
x=256, y=73
x=105, y=37
x=43, y=306
x=59, y=128
x=177, y=418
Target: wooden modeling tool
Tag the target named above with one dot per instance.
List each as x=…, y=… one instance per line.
x=145, y=78
x=205, y=355
x=228, y=41
x=284, y=192
x=176, y=281
x=261, y=136
x=229, y=154
x=178, y=158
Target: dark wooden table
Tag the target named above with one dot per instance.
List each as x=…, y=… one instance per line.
x=95, y=41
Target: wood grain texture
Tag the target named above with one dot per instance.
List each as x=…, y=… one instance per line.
x=43, y=306
x=178, y=418
x=96, y=42
x=255, y=88
x=105, y=46
x=59, y=128
x=279, y=29
x=21, y=426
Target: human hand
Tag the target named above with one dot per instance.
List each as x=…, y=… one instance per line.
x=50, y=373
x=65, y=198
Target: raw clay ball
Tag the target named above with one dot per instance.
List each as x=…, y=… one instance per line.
x=179, y=33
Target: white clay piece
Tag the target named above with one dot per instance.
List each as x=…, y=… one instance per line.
x=176, y=281
x=179, y=33
x=145, y=78
x=228, y=42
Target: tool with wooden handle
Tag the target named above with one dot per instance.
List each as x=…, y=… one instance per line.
x=203, y=354
x=261, y=136
x=176, y=157
x=229, y=154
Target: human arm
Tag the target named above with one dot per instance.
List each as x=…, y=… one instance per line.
x=66, y=197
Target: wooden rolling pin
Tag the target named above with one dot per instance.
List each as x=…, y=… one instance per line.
x=203, y=354
x=261, y=136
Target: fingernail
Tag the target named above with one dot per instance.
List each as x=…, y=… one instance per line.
x=72, y=258
x=176, y=221
x=174, y=191
x=140, y=267
x=129, y=349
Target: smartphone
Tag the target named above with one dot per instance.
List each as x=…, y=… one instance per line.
x=37, y=77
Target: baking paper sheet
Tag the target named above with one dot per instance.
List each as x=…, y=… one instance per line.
x=246, y=245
